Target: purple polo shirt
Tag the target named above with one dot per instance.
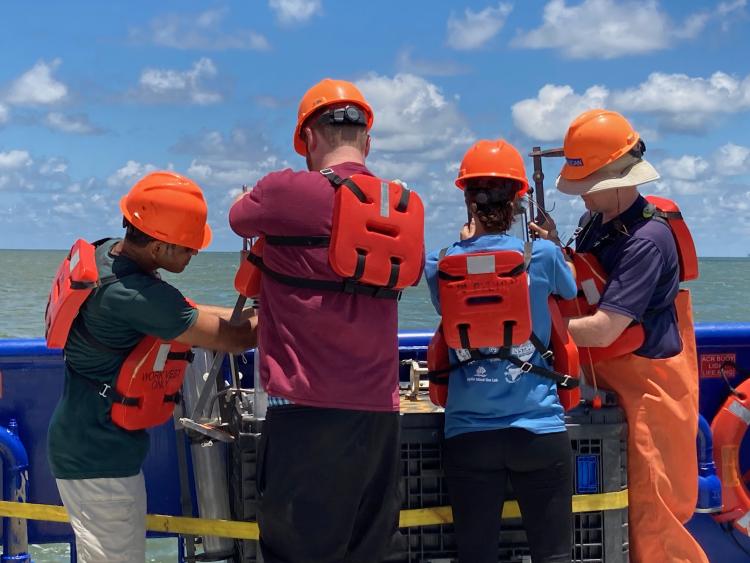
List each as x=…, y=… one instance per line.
x=640, y=258
x=318, y=348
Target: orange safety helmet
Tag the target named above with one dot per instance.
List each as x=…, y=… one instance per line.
x=594, y=139
x=170, y=208
x=493, y=158
x=325, y=93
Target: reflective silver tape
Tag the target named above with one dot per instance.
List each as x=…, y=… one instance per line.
x=740, y=411
x=161, y=357
x=482, y=264
x=589, y=290
x=74, y=260
x=385, y=208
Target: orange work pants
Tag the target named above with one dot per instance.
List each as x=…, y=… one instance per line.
x=660, y=399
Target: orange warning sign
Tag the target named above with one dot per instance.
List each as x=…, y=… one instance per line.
x=711, y=364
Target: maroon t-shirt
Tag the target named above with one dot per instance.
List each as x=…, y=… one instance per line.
x=319, y=348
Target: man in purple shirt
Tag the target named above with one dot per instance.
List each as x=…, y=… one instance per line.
x=657, y=384
x=328, y=463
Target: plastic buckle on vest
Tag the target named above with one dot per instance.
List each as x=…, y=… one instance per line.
x=548, y=354
x=105, y=389
x=526, y=367
x=326, y=171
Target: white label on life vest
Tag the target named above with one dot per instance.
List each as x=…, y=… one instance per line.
x=740, y=411
x=385, y=208
x=482, y=264
x=74, y=260
x=590, y=292
x=161, y=357
x=744, y=522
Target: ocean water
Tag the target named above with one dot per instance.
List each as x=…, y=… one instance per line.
x=720, y=295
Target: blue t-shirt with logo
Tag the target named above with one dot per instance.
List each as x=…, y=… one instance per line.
x=493, y=394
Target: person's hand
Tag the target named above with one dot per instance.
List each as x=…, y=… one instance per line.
x=468, y=230
x=548, y=232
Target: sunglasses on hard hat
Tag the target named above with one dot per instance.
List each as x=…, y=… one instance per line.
x=638, y=149
x=493, y=183
x=351, y=115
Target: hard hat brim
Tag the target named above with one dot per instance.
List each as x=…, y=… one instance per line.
x=624, y=172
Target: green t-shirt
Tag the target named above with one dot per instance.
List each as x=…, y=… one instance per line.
x=83, y=442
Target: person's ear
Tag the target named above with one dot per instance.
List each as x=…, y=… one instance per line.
x=310, y=139
x=367, y=145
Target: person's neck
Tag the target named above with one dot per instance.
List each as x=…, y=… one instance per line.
x=137, y=254
x=340, y=155
x=625, y=199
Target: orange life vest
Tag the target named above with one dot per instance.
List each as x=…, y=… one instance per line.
x=247, y=278
x=591, y=280
x=376, y=242
x=148, y=384
x=485, y=303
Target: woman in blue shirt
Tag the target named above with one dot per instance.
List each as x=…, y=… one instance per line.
x=500, y=422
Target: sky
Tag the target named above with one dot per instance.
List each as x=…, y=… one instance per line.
x=93, y=95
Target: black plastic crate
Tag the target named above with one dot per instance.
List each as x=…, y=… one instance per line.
x=598, y=440
x=598, y=537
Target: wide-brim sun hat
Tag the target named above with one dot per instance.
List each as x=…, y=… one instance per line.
x=626, y=171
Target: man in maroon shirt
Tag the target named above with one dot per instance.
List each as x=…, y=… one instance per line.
x=328, y=463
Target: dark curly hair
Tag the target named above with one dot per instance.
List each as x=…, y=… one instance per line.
x=494, y=201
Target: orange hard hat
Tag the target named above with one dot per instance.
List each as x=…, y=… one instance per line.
x=497, y=159
x=594, y=139
x=170, y=208
x=325, y=93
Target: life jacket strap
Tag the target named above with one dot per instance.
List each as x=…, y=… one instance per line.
x=346, y=286
x=305, y=241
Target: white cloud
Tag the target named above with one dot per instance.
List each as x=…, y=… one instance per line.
x=166, y=85
x=222, y=163
x=15, y=159
x=732, y=160
x=548, y=116
x=406, y=63
x=78, y=124
x=4, y=114
x=37, y=86
x=607, y=29
x=128, y=174
x=686, y=103
x=73, y=208
x=677, y=102
x=412, y=116
x=475, y=29
x=295, y=11
x=204, y=31
x=686, y=167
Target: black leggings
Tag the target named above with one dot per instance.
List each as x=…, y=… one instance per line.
x=477, y=466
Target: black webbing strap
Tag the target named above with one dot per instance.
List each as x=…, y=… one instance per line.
x=306, y=241
x=403, y=201
x=107, y=391
x=346, y=286
x=337, y=181
x=563, y=380
x=94, y=342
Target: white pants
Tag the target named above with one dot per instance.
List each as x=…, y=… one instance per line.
x=108, y=517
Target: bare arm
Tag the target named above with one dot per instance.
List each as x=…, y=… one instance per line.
x=598, y=330
x=550, y=234
x=216, y=333
x=225, y=312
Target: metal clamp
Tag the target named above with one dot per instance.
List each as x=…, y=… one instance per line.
x=526, y=367
x=105, y=389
